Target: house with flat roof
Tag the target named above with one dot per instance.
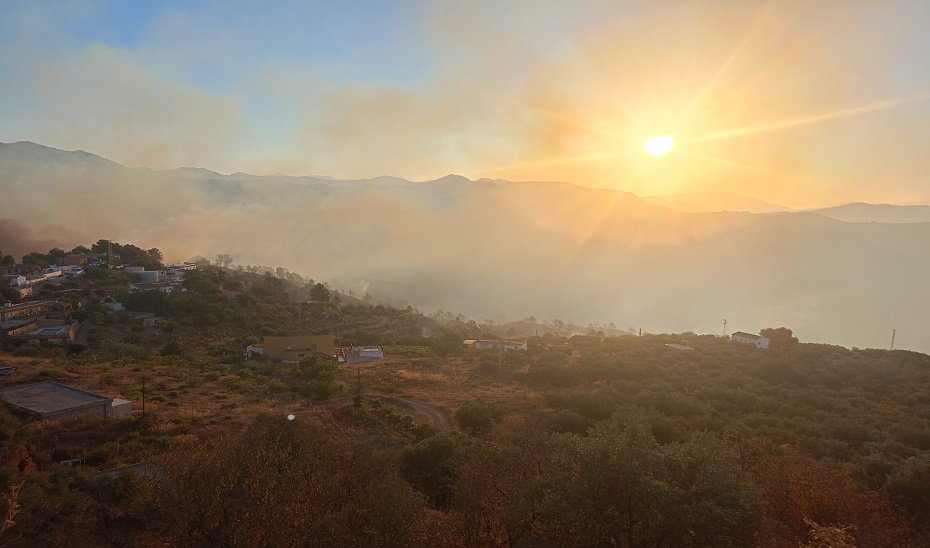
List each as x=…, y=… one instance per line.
x=295, y=348
x=164, y=287
x=748, y=338
x=51, y=400
x=11, y=311
x=52, y=331
x=495, y=344
x=79, y=259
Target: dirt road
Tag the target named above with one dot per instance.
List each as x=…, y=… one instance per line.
x=434, y=415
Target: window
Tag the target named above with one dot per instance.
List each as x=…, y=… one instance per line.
x=312, y=347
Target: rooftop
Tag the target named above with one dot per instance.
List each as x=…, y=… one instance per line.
x=25, y=305
x=746, y=335
x=151, y=285
x=49, y=397
x=678, y=346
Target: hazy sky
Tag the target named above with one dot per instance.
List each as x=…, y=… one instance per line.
x=799, y=103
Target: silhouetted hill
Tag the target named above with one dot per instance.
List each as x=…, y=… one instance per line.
x=877, y=213
x=708, y=202
x=494, y=249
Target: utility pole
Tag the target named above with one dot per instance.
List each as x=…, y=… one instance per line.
x=143, y=396
x=500, y=359
x=893, y=333
x=724, y=327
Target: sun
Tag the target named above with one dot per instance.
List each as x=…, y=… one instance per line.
x=659, y=145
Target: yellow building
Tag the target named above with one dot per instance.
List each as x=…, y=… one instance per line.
x=296, y=348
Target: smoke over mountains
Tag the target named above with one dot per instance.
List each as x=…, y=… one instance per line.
x=499, y=249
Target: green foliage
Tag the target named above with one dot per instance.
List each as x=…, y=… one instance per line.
x=429, y=465
x=478, y=417
x=278, y=483
x=318, y=378
x=909, y=484
x=76, y=348
x=319, y=293
x=780, y=338
x=172, y=347
x=566, y=421
x=554, y=376
x=617, y=486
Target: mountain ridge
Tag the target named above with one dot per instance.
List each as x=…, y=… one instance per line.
x=500, y=249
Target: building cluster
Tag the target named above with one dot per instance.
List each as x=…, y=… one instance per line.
x=166, y=280
x=294, y=349
x=39, y=322
x=301, y=347
x=495, y=344
x=22, y=279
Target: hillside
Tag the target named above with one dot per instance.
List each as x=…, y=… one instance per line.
x=709, y=202
x=499, y=250
x=877, y=213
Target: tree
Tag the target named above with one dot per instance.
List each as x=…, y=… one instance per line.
x=55, y=254
x=780, y=338
x=478, y=417
x=274, y=283
x=79, y=249
x=283, y=483
x=319, y=293
x=156, y=254
x=430, y=465
x=223, y=259
x=35, y=261
x=619, y=487
x=102, y=246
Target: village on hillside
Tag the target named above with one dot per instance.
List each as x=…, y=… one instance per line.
x=115, y=367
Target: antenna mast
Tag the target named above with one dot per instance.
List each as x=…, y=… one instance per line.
x=893, y=333
x=724, y=327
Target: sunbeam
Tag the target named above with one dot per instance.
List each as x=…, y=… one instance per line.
x=736, y=165
x=785, y=124
x=725, y=66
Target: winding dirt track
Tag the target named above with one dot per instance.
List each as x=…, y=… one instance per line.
x=436, y=416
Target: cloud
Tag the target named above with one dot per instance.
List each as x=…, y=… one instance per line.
x=521, y=90
x=17, y=239
x=101, y=99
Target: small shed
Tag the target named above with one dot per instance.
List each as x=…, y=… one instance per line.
x=120, y=408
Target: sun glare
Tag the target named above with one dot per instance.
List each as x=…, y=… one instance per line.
x=659, y=146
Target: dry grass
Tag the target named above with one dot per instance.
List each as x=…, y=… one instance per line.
x=192, y=404
x=446, y=383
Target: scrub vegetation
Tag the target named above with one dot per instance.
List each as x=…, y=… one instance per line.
x=583, y=439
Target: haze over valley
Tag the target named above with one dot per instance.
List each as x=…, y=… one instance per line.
x=438, y=273
x=502, y=250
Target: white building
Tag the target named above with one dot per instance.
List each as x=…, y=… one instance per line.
x=15, y=280
x=509, y=344
x=51, y=272
x=165, y=288
x=748, y=338
x=371, y=352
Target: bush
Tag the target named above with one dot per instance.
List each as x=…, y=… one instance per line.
x=429, y=465
x=478, y=416
x=567, y=421
x=554, y=375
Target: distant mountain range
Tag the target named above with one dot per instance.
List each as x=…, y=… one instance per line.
x=504, y=250
x=877, y=213
x=704, y=202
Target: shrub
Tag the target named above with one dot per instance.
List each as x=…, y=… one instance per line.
x=478, y=416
